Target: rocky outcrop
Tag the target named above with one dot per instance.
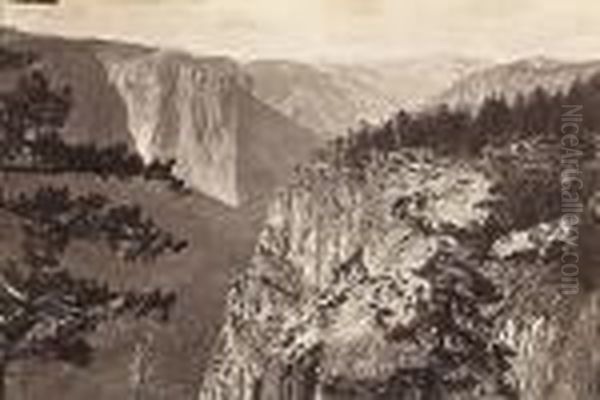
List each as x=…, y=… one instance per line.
x=397, y=285
x=185, y=109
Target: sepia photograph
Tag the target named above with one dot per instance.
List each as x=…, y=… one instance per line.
x=299, y=200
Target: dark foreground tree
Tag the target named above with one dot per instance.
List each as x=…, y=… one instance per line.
x=48, y=314
x=51, y=218
x=47, y=311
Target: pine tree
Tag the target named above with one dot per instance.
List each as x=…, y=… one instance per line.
x=46, y=311
x=456, y=333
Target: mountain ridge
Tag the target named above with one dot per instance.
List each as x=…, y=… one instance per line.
x=333, y=98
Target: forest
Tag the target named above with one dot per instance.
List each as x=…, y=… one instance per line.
x=469, y=132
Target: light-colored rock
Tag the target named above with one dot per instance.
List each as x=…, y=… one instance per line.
x=334, y=303
x=185, y=109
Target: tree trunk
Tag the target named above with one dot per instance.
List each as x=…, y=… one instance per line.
x=2, y=381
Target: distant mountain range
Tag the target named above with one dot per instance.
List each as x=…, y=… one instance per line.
x=332, y=98
x=510, y=79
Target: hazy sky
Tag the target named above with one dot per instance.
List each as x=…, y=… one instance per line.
x=332, y=29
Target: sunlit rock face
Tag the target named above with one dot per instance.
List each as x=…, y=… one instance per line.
x=185, y=109
x=200, y=113
x=341, y=299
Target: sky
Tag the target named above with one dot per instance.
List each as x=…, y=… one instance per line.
x=331, y=29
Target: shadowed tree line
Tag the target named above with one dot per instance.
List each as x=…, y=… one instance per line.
x=47, y=311
x=496, y=123
x=11, y=59
x=52, y=218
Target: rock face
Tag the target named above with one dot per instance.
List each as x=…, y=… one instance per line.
x=396, y=285
x=199, y=112
x=510, y=79
x=185, y=109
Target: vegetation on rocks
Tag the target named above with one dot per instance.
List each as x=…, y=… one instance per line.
x=418, y=260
